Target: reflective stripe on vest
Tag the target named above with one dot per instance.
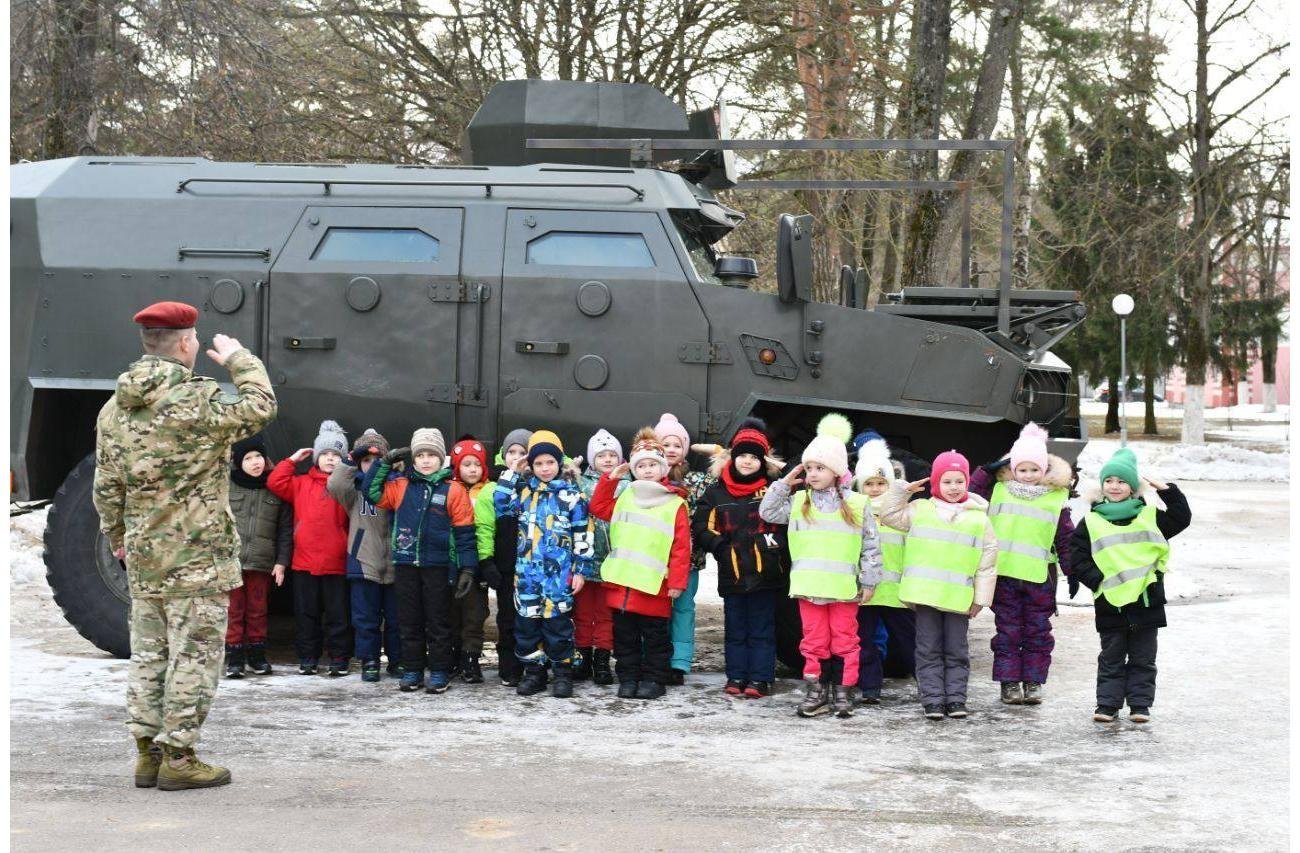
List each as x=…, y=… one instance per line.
x=941, y=558
x=1026, y=531
x=824, y=551
x=892, y=543
x=1129, y=557
x=640, y=541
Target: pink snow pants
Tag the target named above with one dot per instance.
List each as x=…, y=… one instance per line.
x=830, y=629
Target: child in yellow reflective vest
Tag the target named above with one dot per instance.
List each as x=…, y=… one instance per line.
x=949, y=573
x=834, y=564
x=1026, y=491
x=874, y=473
x=1120, y=551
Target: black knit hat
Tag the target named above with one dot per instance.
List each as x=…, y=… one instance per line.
x=245, y=446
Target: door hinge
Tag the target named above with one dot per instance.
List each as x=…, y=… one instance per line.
x=459, y=395
x=704, y=352
x=714, y=423
x=458, y=291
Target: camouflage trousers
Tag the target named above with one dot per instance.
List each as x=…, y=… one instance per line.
x=177, y=652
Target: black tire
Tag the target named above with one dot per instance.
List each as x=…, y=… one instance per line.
x=89, y=584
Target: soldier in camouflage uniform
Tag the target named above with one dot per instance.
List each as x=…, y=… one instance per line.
x=161, y=489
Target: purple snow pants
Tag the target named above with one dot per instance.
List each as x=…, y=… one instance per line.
x=1022, y=646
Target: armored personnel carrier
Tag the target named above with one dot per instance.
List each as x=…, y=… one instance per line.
x=565, y=276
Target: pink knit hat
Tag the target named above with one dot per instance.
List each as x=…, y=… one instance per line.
x=1030, y=447
x=669, y=425
x=949, y=460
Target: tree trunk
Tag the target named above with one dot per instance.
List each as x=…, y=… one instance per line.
x=1198, y=329
x=1112, y=406
x=1149, y=425
x=937, y=228
x=72, y=127
x=1023, y=219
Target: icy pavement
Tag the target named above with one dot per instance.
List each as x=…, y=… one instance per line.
x=341, y=763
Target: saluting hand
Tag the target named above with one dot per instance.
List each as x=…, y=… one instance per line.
x=620, y=472
x=793, y=478
x=223, y=347
x=1156, y=484
x=301, y=454
x=918, y=486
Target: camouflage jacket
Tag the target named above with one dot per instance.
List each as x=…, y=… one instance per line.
x=162, y=475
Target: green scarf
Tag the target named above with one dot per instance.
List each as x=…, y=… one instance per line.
x=433, y=478
x=1113, y=511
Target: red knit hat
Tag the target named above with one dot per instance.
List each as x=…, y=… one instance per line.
x=468, y=446
x=167, y=315
x=949, y=460
x=751, y=438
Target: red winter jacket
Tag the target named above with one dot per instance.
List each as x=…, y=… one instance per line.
x=679, y=557
x=320, y=523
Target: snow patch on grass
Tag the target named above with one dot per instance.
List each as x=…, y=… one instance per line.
x=1191, y=462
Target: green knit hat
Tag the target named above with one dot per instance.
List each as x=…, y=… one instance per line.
x=1123, y=464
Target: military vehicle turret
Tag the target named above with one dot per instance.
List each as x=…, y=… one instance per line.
x=564, y=276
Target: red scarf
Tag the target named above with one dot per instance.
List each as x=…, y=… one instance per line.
x=742, y=490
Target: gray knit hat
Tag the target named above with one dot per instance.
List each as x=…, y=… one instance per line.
x=429, y=438
x=331, y=437
x=371, y=438
x=516, y=436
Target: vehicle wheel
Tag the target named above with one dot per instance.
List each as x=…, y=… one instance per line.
x=89, y=584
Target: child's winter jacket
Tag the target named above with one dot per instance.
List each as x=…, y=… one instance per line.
x=429, y=512
x=777, y=507
x=553, y=544
x=587, y=482
x=898, y=513
x=1058, y=476
x=368, y=526
x=1146, y=612
x=265, y=526
x=647, y=494
x=752, y=554
x=320, y=524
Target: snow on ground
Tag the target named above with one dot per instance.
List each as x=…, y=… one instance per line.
x=1249, y=412
x=1180, y=462
x=341, y=763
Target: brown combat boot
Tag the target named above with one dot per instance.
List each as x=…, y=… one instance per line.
x=146, y=763
x=182, y=769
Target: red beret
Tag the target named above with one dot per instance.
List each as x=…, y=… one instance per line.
x=168, y=315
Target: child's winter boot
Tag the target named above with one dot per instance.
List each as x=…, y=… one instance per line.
x=1104, y=714
x=649, y=690
x=842, y=700
x=816, y=699
x=735, y=686
x=1139, y=714
x=457, y=655
x=438, y=682
x=470, y=670
x=534, y=680
x=627, y=690
x=563, y=686
x=147, y=762
x=956, y=710
x=181, y=769
x=933, y=711
x=307, y=666
x=869, y=696
x=411, y=679
x=583, y=660
x=370, y=671
x=758, y=689
x=235, y=661
x=338, y=667
x=257, y=659
x=1033, y=693
x=1012, y=694
x=394, y=669
x=600, y=672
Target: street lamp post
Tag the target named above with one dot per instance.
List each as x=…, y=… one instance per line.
x=1123, y=306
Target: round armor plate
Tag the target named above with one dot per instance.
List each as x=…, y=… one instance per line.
x=363, y=293
x=227, y=296
x=591, y=372
x=594, y=298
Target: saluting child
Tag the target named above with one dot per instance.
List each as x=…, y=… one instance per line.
x=874, y=474
x=676, y=442
x=1120, y=551
x=1026, y=492
x=835, y=564
x=320, y=546
x=371, y=577
x=949, y=572
x=553, y=560
x=430, y=512
x=265, y=525
x=469, y=611
x=648, y=563
x=593, y=620
x=514, y=447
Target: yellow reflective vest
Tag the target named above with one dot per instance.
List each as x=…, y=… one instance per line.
x=825, y=551
x=1128, y=556
x=1026, y=532
x=941, y=558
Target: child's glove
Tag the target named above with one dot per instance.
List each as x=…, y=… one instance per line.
x=491, y=574
x=398, y=454
x=464, y=583
x=993, y=467
x=360, y=453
